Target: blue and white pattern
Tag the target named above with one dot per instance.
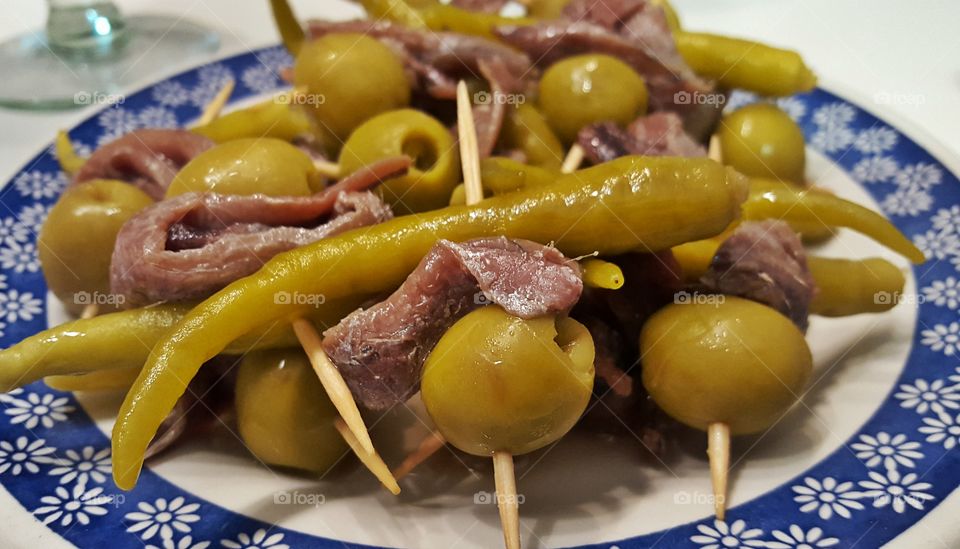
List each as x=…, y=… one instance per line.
x=55, y=461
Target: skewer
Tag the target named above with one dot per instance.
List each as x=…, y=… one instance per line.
x=371, y=460
x=213, y=108
x=427, y=448
x=573, y=159
x=506, y=484
x=470, y=166
x=504, y=477
x=718, y=451
x=327, y=168
x=713, y=150
x=333, y=383
x=469, y=152
x=90, y=311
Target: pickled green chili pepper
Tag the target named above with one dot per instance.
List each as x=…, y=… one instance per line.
x=113, y=341
x=844, y=286
x=811, y=206
x=598, y=273
x=500, y=175
x=525, y=128
x=101, y=380
x=122, y=340
x=440, y=17
x=290, y=30
x=630, y=203
x=272, y=118
x=850, y=286
x=70, y=162
x=743, y=64
x=394, y=10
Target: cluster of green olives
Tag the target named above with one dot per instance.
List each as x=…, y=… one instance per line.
x=498, y=383
x=283, y=414
x=732, y=361
x=586, y=89
x=760, y=140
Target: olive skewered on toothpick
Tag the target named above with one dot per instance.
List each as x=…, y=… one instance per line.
x=498, y=386
x=727, y=366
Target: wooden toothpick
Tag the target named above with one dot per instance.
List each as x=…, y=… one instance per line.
x=371, y=460
x=213, y=108
x=573, y=159
x=718, y=451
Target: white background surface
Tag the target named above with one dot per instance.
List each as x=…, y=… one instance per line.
x=908, y=52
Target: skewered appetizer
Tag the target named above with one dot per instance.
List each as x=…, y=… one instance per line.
x=504, y=259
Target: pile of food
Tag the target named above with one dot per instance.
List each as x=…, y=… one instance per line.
x=520, y=215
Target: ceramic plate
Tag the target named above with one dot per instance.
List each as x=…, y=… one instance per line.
x=865, y=455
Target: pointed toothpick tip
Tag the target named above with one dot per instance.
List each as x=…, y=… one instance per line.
x=371, y=460
x=507, y=501
x=213, y=108
x=573, y=159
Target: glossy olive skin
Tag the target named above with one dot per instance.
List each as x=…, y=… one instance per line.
x=586, y=89
x=76, y=241
x=736, y=362
x=283, y=414
x=763, y=141
x=436, y=163
x=356, y=77
x=496, y=382
x=247, y=166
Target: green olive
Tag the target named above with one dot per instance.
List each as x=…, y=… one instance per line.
x=247, y=166
x=76, y=241
x=350, y=78
x=496, y=382
x=728, y=360
x=283, y=414
x=761, y=140
x=436, y=164
x=585, y=89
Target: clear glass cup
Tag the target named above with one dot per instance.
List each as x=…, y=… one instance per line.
x=90, y=50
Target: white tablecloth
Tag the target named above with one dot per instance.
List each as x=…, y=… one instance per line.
x=906, y=54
